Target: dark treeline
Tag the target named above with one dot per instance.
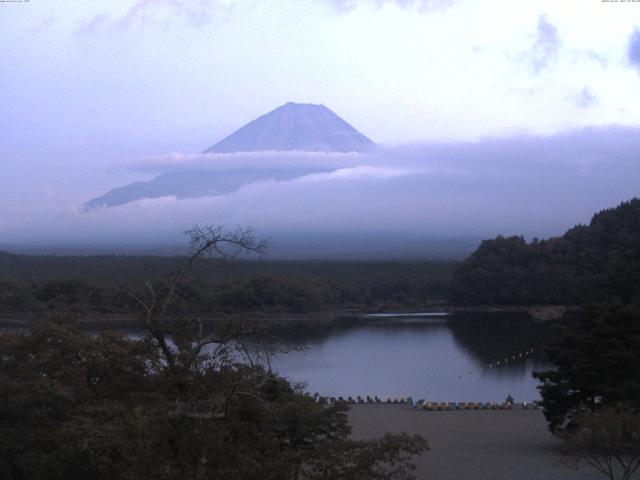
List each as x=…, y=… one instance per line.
x=82, y=285
x=590, y=396
x=74, y=405
x=590, y=263
x=78, y=405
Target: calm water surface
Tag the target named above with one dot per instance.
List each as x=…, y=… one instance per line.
x=437, y=358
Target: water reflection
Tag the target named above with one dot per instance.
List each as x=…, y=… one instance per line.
x=492, y=338
x=453, y=359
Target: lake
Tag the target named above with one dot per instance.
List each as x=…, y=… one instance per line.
x=457, y=358
x=470, y=357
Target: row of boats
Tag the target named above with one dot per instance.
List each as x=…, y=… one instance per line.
x=513, y=358
x=433, y=406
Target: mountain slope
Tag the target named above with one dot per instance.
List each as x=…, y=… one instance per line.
x=589, y=263
x=291, y=127
x=188, y=185
x=295, y=126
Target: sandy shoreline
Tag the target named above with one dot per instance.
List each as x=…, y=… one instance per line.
x=473, y=445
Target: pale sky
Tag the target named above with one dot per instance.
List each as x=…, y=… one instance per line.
x=90, y=88
x=180, y=74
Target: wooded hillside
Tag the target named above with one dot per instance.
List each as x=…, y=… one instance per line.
x=589, y=263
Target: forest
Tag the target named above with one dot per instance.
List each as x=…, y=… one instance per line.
x=31, y=286
x=589, y=263
x=77, y=405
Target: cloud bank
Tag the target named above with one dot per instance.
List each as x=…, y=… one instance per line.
x=187, y=73
x=535, y=186
x=268, y=160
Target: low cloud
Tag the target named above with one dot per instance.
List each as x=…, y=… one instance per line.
x=545, y=47
x=585, y=99
x=269, y=160
x=534, y=186
x=365, y=171
x=538, y=172
x=634, y=49
x=198, y=175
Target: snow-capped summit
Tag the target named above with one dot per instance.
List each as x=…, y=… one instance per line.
x=295, y=126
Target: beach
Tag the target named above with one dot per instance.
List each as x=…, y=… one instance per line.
x=473, y=444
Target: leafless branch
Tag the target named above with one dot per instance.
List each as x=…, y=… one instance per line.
x=156, y=303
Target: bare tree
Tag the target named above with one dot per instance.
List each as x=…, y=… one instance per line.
x=156, y=301
x=213, y=392
x=607, y=440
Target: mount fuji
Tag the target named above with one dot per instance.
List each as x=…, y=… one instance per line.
x=295, y=126
x=291, y=129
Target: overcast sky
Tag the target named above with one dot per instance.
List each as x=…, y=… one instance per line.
x=90, y=88
x=184, y=73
